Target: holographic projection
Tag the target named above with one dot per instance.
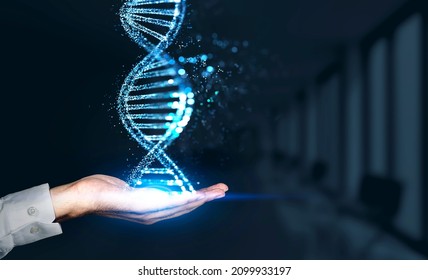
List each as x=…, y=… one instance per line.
x=156, y=99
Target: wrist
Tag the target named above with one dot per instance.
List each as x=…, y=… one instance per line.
x=66, y=202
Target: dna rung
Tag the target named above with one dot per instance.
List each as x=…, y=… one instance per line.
x=154, y=96
x=150, y=2
x=158, y=85
x=139, y=3
x=154, y=138
x=158, y=117
x=149, y=106
x=158, y=73
x=157, y=171
x=159, y=183
x=157, y=177
x=151, y=126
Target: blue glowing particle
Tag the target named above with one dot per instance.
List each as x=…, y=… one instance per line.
x=210, y=69
x=181, y=72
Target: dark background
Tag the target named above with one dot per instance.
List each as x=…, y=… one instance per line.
x=336, y=122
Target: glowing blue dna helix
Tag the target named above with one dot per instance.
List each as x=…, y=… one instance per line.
x=155, y=101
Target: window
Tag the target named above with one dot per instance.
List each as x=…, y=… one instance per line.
x=407, y=123
x=353, y=127
x=377, y=87
x=328, y=128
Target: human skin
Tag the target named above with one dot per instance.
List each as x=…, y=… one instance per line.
x=111, y=197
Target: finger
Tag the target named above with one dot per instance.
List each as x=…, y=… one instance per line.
x=184, y=212
x=213, y=194
x=220, y=186
x=138, y=203
x=148, y=219
x=170, y=212
x=210, y=194
x=154, y=215
x=129, y=219
x=150, y=202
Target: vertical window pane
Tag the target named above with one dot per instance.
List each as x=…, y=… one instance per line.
x=377, y=102
x=407, y=134
x=353, y=124
x=311, y=128
x=330, y=130
x=294, y=132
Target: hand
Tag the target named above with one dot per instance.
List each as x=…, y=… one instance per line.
x=112, y=197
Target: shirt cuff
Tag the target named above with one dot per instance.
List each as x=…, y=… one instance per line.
x=26, y=217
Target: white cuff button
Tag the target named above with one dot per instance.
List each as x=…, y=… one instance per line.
x=32, y=211
x=34, y=230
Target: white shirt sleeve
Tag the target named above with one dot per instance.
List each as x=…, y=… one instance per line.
x=26, y=217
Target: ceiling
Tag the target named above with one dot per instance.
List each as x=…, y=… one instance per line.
x=303, y=34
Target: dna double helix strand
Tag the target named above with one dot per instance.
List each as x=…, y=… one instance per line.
x=155, y=101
